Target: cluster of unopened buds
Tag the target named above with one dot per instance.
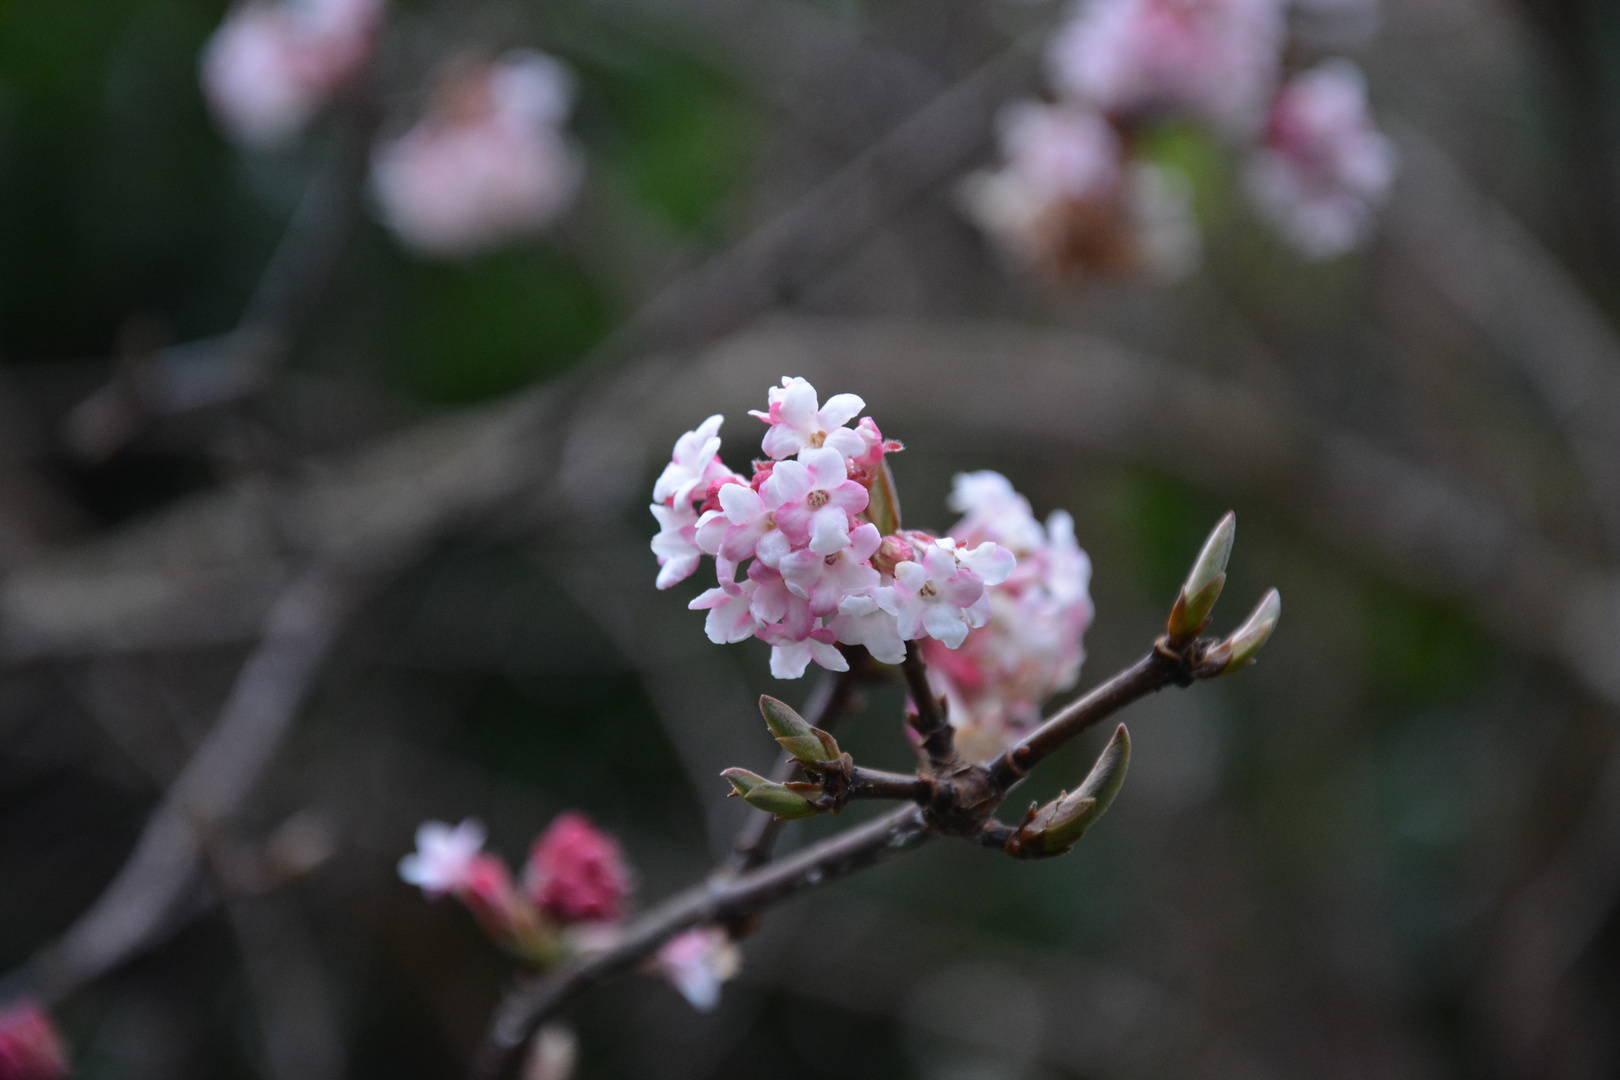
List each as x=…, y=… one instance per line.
x=1077, y=193
x=573, y=897
x=30, y=1047
x=488, y=163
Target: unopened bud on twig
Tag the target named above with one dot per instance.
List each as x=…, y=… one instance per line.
x=883, y=510
x=1238, y=651
x=767, y=795
x=1058, y=826
x=806, y=742
x=1204, y=583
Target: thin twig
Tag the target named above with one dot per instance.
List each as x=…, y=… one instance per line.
x=933, y=727
x=867, y=783
x=828, y=702
x=236, y=365
x=1152, y=673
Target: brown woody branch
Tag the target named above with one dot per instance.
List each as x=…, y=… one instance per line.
x=932, y=726
x=960, y=803
x=1148, y=675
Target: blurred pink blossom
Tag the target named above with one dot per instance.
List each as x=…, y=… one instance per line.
x=1324, y=168
x=697, y=962
x=488, y=164
x=1212, y=59
x=272, y=64
x=30, y=1048
x=1068, y=203
x=576, y=872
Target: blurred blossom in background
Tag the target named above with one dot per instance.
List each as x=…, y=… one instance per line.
x=344, y=341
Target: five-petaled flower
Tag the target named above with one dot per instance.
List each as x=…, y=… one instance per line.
x=942, y=594
x=443, y=859
x=798, y=422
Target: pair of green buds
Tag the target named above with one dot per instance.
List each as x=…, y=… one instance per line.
x=810, y=746
x=1191, y=612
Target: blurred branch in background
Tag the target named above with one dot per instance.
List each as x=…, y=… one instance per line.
x=179, y=379
x=142, y=903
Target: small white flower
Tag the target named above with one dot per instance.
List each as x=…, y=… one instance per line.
x=942, y=595
x=826, y=580
x=815, y=499
x=692, y=467
x=864, y=620
x=731, y=617
x=675, y=544
x=443, y=856
x=798, y=422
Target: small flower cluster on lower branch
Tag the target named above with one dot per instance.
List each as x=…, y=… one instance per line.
x=571, y=899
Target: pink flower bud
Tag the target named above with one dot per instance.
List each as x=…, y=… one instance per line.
x=892, y=551
x=488, y=893
x=576, y=872
x=30, y=1048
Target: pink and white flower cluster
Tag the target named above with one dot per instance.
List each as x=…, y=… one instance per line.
x=1030, y=647
x=1074, y=195
x=273, y=64
x=803, y=532
x=575, y=885
x=1323, y=168
x=488, y=164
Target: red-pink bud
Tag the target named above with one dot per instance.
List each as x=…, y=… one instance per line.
x=30, y=1048
x=576, y=872
x=890, y=553
x=711, y=496
x=762, y=473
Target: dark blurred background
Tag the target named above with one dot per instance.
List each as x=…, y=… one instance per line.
x=1391, y=849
